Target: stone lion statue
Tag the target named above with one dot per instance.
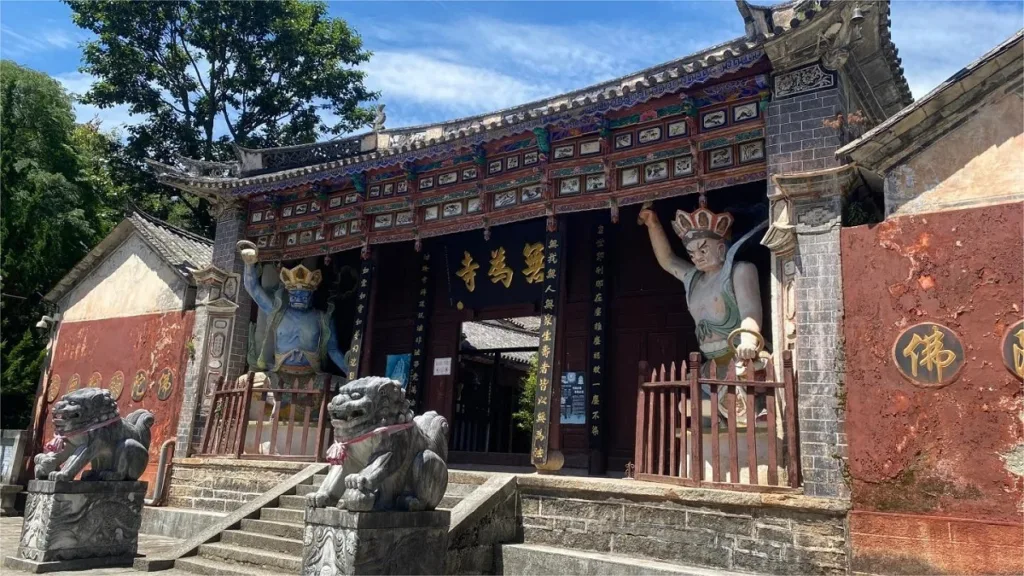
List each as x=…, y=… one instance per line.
x=88, y=430
x=383, y=458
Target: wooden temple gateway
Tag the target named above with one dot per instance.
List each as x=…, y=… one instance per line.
x=531, y=212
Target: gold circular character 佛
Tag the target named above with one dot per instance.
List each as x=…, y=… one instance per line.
x=1012, y=349
x=165, y=385
x=54, y=389
x=139, y=386
x=929, y=355
x=116, y=385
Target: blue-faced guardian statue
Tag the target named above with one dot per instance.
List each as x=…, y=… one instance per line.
x=303, y=337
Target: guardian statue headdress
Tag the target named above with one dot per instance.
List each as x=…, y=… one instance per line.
x=702, y=223
x=300, y=278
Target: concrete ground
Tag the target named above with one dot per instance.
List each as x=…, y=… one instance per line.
x=10, y=533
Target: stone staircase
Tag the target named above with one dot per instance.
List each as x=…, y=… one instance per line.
x=272, y=544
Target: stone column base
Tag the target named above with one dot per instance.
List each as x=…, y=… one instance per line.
x=555, y=462
x=337, y=542
x=79, y=525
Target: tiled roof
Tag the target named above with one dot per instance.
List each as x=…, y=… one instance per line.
x=182, y=250
x=497, y=334
x=391, y=147
x=919, y=124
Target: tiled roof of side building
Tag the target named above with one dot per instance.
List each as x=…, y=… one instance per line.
x=492, y=335
x=182, y=250
x=916, y=126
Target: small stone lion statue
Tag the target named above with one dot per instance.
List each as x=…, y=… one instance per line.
x=383, y=458
x=88, y=430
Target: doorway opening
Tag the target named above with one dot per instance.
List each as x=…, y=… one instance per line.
x=495, y=360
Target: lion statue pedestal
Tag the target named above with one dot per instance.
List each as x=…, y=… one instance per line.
x=374, y=513
x=93, y=522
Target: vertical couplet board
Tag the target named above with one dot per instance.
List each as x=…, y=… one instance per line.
x=362, y=316
x=549, y=302
x=598, y=328
x=418, y=372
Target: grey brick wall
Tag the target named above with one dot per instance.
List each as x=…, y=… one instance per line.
x=820, y=363
x=760, y=540
x=799, y=142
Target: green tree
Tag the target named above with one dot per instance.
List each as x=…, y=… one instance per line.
x=58, y=201
x=202, y=75
x=523, y=417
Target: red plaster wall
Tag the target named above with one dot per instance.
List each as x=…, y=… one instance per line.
x=149, y=342
x=924, y=455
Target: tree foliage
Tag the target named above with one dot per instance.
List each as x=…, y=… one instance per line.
x=58, y=201
x=523, y=417
x=205, y=74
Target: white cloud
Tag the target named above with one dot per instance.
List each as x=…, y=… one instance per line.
x=936, y=39
x=77, y=84
x=475, y=65
x=451, y=86
x=17, y=43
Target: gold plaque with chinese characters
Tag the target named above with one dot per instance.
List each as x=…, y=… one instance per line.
x=1013, y=349
x=929, y=355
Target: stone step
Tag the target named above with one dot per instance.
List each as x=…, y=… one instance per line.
x=213, y=567
x=292, y=547
x=456, y=491
x=272, y=561
x=292, y=502
x=448, y=502
x=283, y=515
x=281, y=529
x=529, y=559
x=460, y=490
x=303, y=489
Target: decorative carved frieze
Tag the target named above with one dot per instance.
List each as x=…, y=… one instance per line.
x=803, y=80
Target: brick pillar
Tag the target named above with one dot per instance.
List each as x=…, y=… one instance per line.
x=807, y=291
x=220, y=336
x=231, y=229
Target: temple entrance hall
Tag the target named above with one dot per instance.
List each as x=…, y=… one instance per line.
x=496, y=358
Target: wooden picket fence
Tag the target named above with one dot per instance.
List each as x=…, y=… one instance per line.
x=228, y=424
x=671, y=432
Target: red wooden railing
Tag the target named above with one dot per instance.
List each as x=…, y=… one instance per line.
x=671, y=433
x=228, y=425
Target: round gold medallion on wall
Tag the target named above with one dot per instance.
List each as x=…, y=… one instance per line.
x=74, y=383
x=929, y=355
x=166, y=384
x=1012, y=349
x=54, y=389
x=116, y=385
x=95, y=380
x=139, y=386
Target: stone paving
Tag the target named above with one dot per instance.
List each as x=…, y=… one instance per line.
x=10, y=533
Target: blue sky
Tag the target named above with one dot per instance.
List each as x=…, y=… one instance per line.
x=440, y=60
